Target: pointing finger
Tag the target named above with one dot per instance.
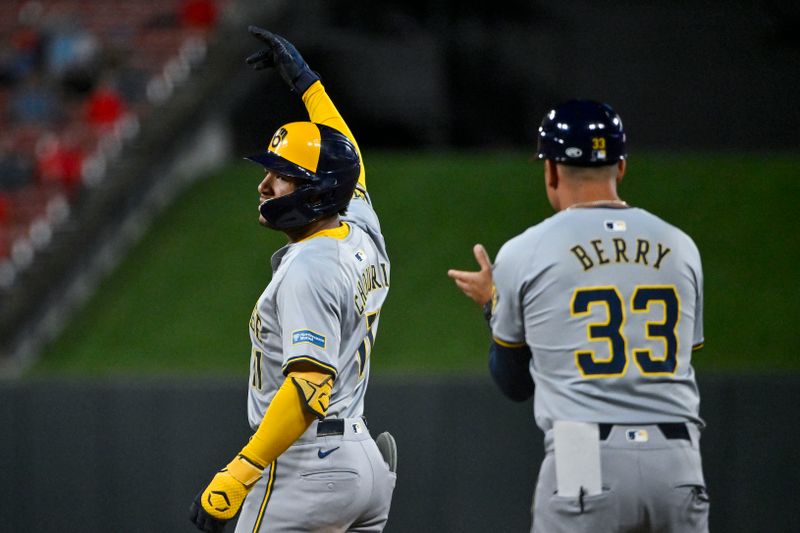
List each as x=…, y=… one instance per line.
x=455, y=274
x=261, y=34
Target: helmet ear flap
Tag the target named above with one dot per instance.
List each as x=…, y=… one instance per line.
x=290, y=211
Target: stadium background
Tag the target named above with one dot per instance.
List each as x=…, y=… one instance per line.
x=123, y=332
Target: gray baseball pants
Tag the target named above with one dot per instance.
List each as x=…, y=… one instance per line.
x=652, y=486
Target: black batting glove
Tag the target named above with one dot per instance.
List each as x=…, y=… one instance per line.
x=283, y=56
x=203, y=520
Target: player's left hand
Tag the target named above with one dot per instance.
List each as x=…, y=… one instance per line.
x=476, y=285
x=223, y=497
x=282, y=55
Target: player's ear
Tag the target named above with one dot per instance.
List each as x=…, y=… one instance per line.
x=551, y=179
x=621, y=167
x=551, y=176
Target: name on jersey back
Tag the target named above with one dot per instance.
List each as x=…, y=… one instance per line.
x=598, y=252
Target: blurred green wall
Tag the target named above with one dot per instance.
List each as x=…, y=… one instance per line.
x=181, y=302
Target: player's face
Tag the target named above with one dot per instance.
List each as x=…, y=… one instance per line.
x=274, y=185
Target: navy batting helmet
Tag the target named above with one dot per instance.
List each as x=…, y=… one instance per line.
x=582, y=133
x=324, y=160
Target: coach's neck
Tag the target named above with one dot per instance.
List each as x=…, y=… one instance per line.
x=570, y=185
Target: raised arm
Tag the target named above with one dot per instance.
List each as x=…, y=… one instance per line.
x=284, y=57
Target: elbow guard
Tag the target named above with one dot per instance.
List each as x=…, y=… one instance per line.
x=316, y=397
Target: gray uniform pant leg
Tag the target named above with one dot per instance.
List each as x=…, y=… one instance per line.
x=648, y=486
x=348, y=489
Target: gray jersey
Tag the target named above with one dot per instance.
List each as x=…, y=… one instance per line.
x=610, y=303
x=322, y=306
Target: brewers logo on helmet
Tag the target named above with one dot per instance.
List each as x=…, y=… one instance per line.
x=325, y=162
x=582, y=133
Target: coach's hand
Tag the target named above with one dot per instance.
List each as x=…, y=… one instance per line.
x=223, y=497
x=476, y=285
x=282, y=55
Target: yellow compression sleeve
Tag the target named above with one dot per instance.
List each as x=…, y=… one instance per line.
x=321, y=110
x=287, y=418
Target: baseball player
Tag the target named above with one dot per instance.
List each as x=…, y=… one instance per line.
x=596, y=311
x=311, y=464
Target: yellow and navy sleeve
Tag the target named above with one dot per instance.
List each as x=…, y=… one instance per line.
x=322, y=111
x=508, y=365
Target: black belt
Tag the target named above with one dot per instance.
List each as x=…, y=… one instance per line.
x=332, y=426
x=671, y=431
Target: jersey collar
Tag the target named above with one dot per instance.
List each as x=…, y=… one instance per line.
x=611, y=204
x=337, y=233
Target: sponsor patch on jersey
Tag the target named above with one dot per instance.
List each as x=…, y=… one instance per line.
x=306, y=336
x=615, y=225
x=637, y=435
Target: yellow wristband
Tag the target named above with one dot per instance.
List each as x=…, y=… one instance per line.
x=244, y=471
